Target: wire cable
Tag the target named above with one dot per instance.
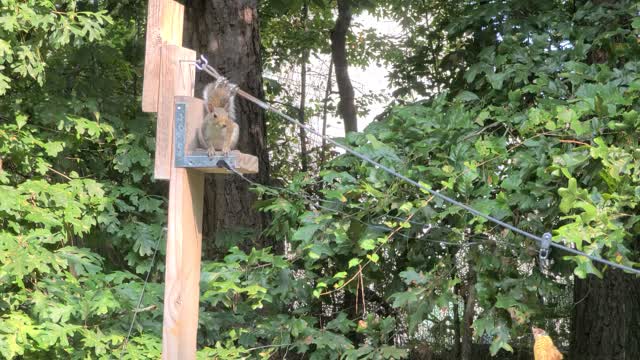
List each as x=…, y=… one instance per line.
x=135, y=312
x=202, y=64
x=223, y=164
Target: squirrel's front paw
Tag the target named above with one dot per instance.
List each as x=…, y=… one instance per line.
x=211, y=151
x=226, y=150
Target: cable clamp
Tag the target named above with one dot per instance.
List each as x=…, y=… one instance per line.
x=545, y=249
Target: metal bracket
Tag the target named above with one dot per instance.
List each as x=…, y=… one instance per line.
x=197, y=160
x=545, y=249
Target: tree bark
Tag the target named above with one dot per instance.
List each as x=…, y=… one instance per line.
x=457, y=344
x=227, y=33
x=606, y=317
x=325, y=106
x=466, y=345
x=346, y=107
x=304, y=156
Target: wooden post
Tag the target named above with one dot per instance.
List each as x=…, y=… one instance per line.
x=182, y=273
x=164, y=26
x=186, y=196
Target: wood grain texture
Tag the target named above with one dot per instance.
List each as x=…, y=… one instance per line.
x=151, y=80
x=245, y=164
x=182, y=272
x=165, y=19
x=176, y=78
x=171, y=22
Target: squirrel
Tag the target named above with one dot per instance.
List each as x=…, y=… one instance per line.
x=219, y=131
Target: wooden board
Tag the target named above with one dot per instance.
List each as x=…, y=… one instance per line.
x=164, y=26
x=182, y=272
x=176, y=78
x=172, y=22
x=245, y=164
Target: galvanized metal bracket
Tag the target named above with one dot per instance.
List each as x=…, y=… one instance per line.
x=198, y=159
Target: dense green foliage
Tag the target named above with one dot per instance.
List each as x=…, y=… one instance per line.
x=530, y=115
x=79, y=215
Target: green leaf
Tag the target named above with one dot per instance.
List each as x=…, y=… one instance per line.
x=570, y=195
x=354, y=262
x=374, y=258
x=496, y=80
x=467, y=96
x=306, y=232
x=585, y=267
x=340, y=275
x=367, y=244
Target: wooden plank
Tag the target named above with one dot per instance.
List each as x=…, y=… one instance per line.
x=182, y=272
x=245, y=164
x=172, y=22
x=165, y=20
x=151, y=80
x=176, y=78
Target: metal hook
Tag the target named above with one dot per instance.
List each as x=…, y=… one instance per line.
x=202, y=62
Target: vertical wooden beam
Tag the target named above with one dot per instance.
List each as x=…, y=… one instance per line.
x=176, y=78
x=165, y=19
x=151, y=80
x=171, y=22
x=182, y=273
x=184, y=246
x=186, y=195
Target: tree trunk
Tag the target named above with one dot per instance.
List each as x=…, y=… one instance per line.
x=606, y=317
x=325, y=106
x=304, y=161
x=227, y=33
x=466, y=345
x=457, y=344
x=469, y=296
x=346, y=107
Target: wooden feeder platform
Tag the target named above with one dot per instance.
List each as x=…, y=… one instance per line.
x=188, y=153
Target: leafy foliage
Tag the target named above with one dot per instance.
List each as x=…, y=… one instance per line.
x=534, y=124
x=79, y=217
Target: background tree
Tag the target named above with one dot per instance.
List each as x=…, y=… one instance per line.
x=227, y=33
x=347, y=106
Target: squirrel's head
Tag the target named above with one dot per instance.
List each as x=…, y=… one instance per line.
x=220, y=115
x=537, y=332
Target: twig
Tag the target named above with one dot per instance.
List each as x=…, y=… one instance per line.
x=568, y=141
x=59, y=173
x=481, y=130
